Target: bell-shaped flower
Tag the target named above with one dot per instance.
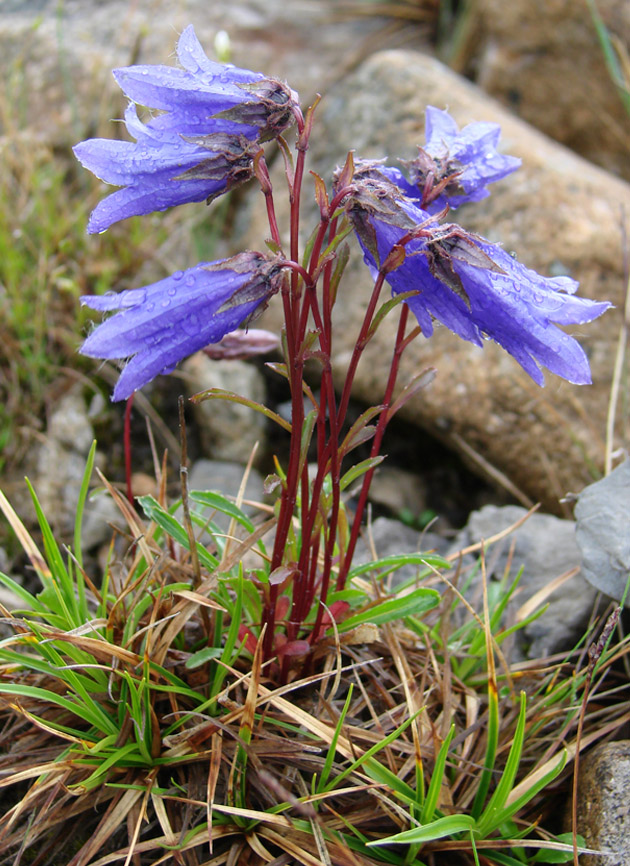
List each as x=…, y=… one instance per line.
x=478, y=290
x=213, y=118
x=454, y=166
x=159, y=325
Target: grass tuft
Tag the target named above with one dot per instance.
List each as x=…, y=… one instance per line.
x=139, y=722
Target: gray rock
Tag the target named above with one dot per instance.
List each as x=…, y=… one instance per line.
x=398, y=490
x=61, y=461
x=603, y=804
x=69, y=425
x=602, y=532
x=545, y=548
x=101, y=513
x=228, y=430
x=560, y=213
x=59, y=472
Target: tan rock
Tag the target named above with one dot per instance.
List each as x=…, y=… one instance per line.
x=542, y=58
x=603, y=806
x=559, y=212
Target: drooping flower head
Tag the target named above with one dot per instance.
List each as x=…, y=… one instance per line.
x=214, y=117
x=454, y=166
x=473, y=286
x=158, y=325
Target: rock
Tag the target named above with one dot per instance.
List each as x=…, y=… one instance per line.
x=58, y=476
x=603, y=805
x=602, y=532
x=61, y=461
x=101, y=513
x=532, y=54
x=560, y=213
x=144, y=485
x=229, y=431
x=545, y=548
x=398, y=490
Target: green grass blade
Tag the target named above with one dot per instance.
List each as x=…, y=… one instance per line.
x=99, y=720
x=507, y=811
x=330, y=755
x=450, y=825
x=154, y=511
x=435, y=785
x=22, y=593
x=231, y=638
x=78, y=522
x=62, y=598
x=397, y=560
x=414, y=603
x=377, y=771
x=490, y=819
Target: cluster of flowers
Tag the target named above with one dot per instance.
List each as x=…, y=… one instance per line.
x=213, y=119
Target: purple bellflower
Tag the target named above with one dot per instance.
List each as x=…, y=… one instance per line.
x=159, y=325
x=213, y=118
x=454, y=166
x=470, y=285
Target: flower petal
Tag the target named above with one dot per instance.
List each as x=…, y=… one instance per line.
x=160, y=324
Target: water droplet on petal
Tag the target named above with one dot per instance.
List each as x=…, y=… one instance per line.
x=166, y=302
x=191, y=324
x=177, y=275
x=190, y=280
x=150, y=307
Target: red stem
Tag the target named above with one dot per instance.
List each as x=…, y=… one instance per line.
x=127, y=447
x=401, y=344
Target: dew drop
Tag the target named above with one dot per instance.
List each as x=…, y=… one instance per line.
x=190, y=280
x=134, y=298
x=150, y=307
x=166, y=302
x=191, y=324
x=172, y=291
x=176, y=276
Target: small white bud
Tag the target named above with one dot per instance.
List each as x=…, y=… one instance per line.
x=222, y=46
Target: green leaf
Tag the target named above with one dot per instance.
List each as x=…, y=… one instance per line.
x=447, y=826
x=396, y=561
x=174, y=528
x=494, y=813
x=358, y=470
x=414, y=603
x=94, y=715
x=437, y=777
x=217, y=502
x=220, y=394
x=202, y=656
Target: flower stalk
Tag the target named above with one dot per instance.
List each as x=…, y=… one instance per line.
x=209, y=136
